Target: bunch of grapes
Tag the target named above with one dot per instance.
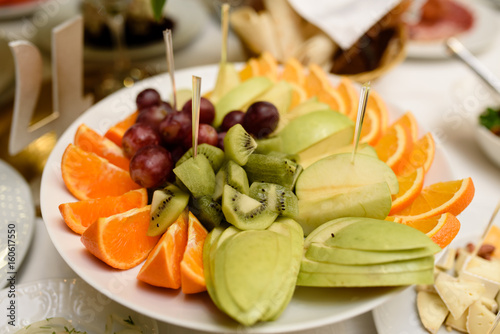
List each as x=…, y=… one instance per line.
x=161, y=135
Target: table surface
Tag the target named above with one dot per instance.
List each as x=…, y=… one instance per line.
x=425, y=87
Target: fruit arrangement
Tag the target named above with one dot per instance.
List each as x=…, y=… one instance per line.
x=273, y=165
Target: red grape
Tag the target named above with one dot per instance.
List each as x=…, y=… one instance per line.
x=220, y=140
x=232, y=118
x=207, y=134
x=207, y=110
x=261, y=119
x=137, y=136
x=147, y=98
x=153, y=115
x=151, y=166
x=175, y=127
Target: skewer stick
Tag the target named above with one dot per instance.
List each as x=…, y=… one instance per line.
x=363, y=100
x=225, y=29
x=196, y=112
x=167, y=36
x=485, y=232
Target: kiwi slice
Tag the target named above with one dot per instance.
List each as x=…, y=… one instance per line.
x=167, y=204
x=278, y=198
x=239, y=144
x=197, y=175
x=245, y=212
x=207, y=211
x=293, y=157
x=272, y=169
x=234, y=175
x=267, y=145
x=214, y=155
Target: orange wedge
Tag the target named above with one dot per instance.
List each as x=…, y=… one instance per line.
x=493, y=238
x=299, y=95
x=331, y=96
x=439, y=198
x=115, y=133
x=293, y=72
x=88, y=176
x=80, y=215
x=90, y=141
x=376, y=103
x=192, y=275
x=394, y=146
x=120, y=240
x=371, y=130
x=410, y=122
x=421, y=155
x=409, y=188
x=442, y=229
x=268, y=66
x=316, y=81
x=350, y=97
x=163, y=265
x=250, y=70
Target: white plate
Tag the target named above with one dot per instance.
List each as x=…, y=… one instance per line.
x=17, y=219
x=22, y=9
x=476, y=39
x=399, y=314
x=310, y=307
x=72, y=299
x=188, y=15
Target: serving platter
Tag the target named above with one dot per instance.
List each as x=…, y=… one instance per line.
x=309, y=308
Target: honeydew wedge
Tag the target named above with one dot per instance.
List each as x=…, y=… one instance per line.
x=309, y=159
x=306, y=107
x=280, y=94
x=227, y=79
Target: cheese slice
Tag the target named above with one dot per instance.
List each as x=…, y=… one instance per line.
x=488, y=269
x=447, y=260
x=459, y=324
x=491, y=288
x=480, y=319
x=432, y=310
x=458, y=295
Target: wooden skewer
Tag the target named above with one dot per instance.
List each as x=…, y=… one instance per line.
x=363, y=100
x=167, y=36
x=196, y=112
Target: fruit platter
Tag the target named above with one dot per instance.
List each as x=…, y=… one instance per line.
x=378, y=198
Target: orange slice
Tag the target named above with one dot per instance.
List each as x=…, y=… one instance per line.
x=409, y=188
x=439, y=198
x=442, y=229
x=90, y=141
x=115, y=133
x=410, y=122
x=350, y=97
x=316, y=81
x=371, y=130
x=88, y=176
x=120, y=240
x=192, y=275
x=376, y=103
x=293, y=72
x=163, y=265
x=394, y=146
x=331, y=96
x=80, y=215
x=268, y=66
x=250, y=70
x=299, y=95
x=421, y=155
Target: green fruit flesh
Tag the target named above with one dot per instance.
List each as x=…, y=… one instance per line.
x=227, y=79
x=272, y=169
x=214, y=155
x=167, y=204
x=280, y=95
x=208, y=211
x=197, y=175
x=278, y=198
x=238, y=144
x=363, y=148
x=306, y=107
x=270, y=144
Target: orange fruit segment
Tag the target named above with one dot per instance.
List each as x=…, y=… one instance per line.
x=394, y=146
x=409, y=188
x=120, y=240
x=422, y=155
x=192, y=274
x=409, y=121
x=439, y=198
x=442, y=229
x=90, y=141
x=250, y=70
x=80, y=215
x=163, y=265
x=371, y=130
x=349, y=96
x=331, y=96
x=376, y=103
x=316, y=80
x=88, y=176
x=299, y=95
x=116, y=132
x=268, y=66
x=293, y=72
x=493, y=238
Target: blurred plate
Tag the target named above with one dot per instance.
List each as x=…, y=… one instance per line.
x=17, y=218
x=476, y=39
x=12, y=11
x=189, y=17
x=72, y=299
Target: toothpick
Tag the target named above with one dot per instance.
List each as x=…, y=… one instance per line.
x=167, y=36
x=196, y=112
x=363, y=100
x=495, y=324
x=225, y=28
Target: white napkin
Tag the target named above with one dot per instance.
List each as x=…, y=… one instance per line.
x=345, y=21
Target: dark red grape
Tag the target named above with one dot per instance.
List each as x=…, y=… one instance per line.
x=153, y=115
x=207, y=110
x=261, y=119
x=175, y=127
x=151, y=166
x=232, y=118
x=147, y=98
x=207, y=134
x=137, y=136
x=220, y=140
